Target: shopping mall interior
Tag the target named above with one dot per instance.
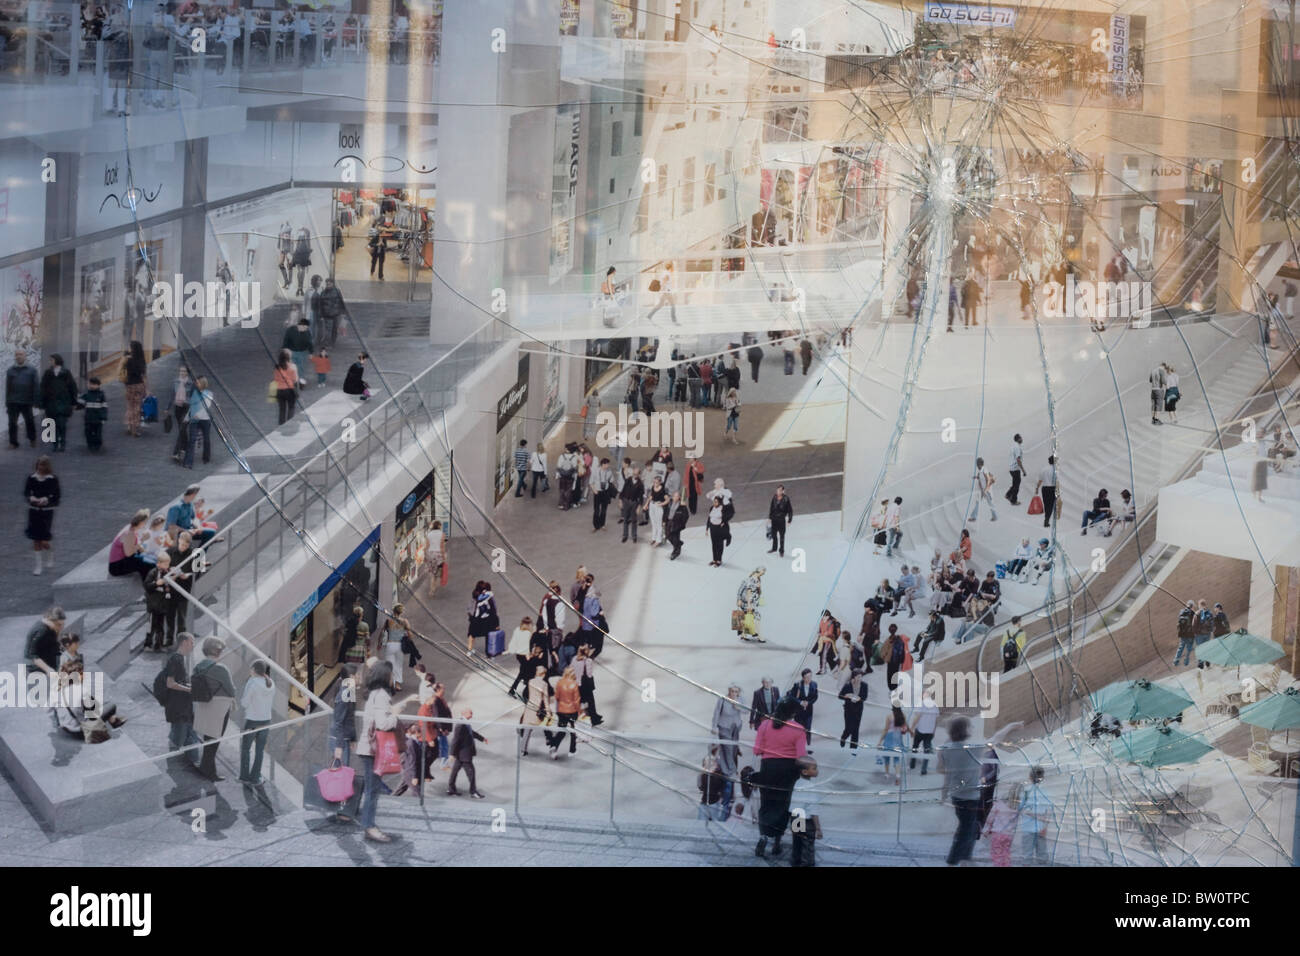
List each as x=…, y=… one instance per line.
x=881, y=312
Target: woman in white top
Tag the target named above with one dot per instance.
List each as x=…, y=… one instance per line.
x=379, y=714
x=390, y=644
x=156, y=540
x=731, y=404
x=256, y=701
x=537, y=465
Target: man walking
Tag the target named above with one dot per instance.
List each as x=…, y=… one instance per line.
x=1047, y=485
x=755, y=356
x=1158, y=381
x=805, y=355
x=332, y=308
x=804, y=694
x=854, y=695
x=780, y=512
x=675, y=517
x=763, y=705
x=960, y=764
x=521, y=466
x=22, y=387
x=984, y=481
x=1017, y=465
x=972, y=294
x=462, y=752
x=178, y=703
x=630, y=497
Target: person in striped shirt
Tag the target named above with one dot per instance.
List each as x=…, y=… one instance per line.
x=521, y=465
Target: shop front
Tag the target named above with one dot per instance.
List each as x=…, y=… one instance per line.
x=510, y=429
x=415, y=537
x=318, y=625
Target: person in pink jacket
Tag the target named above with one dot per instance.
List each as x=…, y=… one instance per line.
x=779, y=743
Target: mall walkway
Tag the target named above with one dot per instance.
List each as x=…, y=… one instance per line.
x=238, y=362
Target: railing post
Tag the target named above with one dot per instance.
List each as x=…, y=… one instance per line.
x=613, y=765
x=30, y=41
x=518, y=760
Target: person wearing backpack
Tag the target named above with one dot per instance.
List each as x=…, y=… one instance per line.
x=483, y=618
x=1204, y=630
x=212, y=691
x=1186, y=633
x=1221, y=625
x=171, y=688
x=1013, y=644
x=566, y=473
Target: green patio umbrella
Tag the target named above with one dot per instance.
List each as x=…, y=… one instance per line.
x=1159, y=747
x=1274, y=712
x=1237, y=648
x=1139, y=700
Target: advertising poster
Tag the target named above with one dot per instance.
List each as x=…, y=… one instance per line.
x=95, y=285
x=510, y=429
x=22, y=295
x=428, y=502
x=564, y=189
x=553, y=402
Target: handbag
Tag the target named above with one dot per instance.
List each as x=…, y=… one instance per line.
x=336, y=782
x=312, y=798
x=445, y=572
x=1035, y=505
x=272, y=392
x=388, y=756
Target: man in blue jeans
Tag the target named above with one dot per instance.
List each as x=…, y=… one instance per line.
x=181, y=517
x=179, y=706
x=1186, y=633
x=521, y=466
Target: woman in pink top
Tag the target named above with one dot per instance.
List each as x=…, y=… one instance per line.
x=780, y=741
x=124, y=555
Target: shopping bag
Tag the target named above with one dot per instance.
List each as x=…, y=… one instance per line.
x=388, y=756
x=313, y=799
x=737, y=619
x=149, y=409
x=336, y=783
x=1035, y=505
x=1000, y=569
x=445, y=572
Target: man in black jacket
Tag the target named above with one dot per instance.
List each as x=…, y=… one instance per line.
x=764, y=703
x=22, y=387
x=332, y=308
x=933, y=634
x=675, y=517
x=630, y=501
x=462, y=751
x=854, y=695
x=805, y=695
x=755, y=356
x=779, y=512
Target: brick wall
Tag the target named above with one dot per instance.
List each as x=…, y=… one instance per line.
x=1144, y=647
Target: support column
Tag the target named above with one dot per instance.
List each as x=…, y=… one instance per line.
x=58, y=329
x=1259, y=620
x=189, y=329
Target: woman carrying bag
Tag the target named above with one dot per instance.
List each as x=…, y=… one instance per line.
x=379, y=715
x=537, y=707
x=284, y=385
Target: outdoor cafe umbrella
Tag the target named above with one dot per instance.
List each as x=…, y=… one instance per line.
x=1139, y=700
x=1274, y=712
x=1159, y=747
x=1237, y=648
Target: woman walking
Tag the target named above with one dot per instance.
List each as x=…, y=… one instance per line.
x=779, y=743
x=259, y=694
x=200, y=422
x=891, y=739
x=343, y=723
x=537, y=706
x=42, y=493
x=379, y=714
x=1172, y=393
x=656, y=499
x=717, y=532
x=286, y=382
x=483, y=618
x=732, y=406
x=394, y=641
x=134, y=375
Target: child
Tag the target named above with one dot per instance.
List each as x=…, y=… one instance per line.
x=95, y=402
x=1000, y=827
x=805, y=826
x=411, y=762
x=203, y=516
x=160, y=599
x=321, y=362
x=156, y=540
